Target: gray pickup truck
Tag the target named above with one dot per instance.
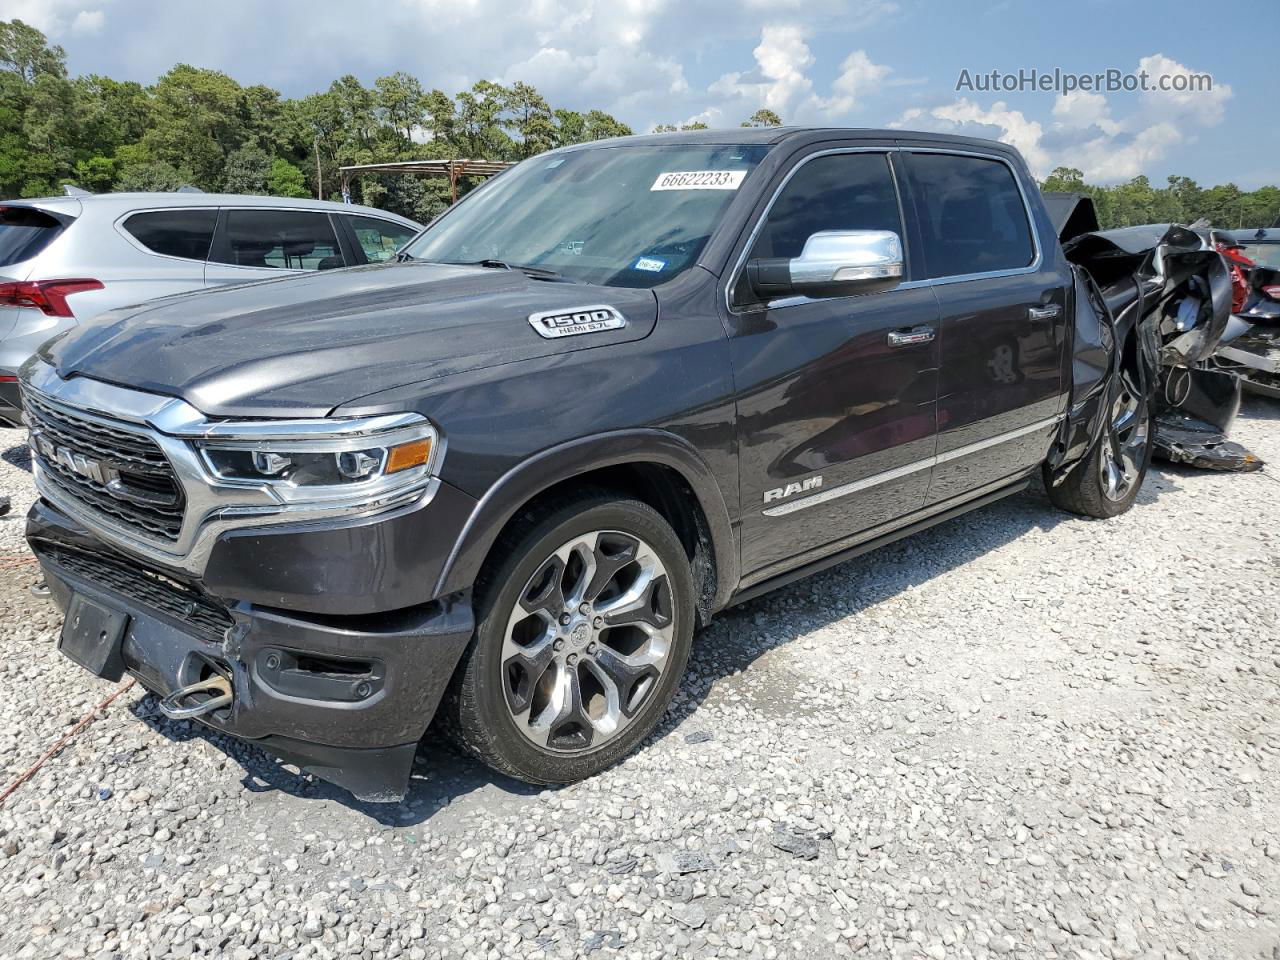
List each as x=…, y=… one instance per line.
x=623, y=386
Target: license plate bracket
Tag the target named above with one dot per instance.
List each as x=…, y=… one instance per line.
x=92, y=635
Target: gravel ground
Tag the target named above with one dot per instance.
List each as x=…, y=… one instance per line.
x=1018, y=734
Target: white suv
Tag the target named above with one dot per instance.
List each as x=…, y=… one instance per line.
x=64, y=260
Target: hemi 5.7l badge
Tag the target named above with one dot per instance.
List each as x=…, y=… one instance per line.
x=578, y=320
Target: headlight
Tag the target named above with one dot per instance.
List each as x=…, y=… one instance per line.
x=309, y=459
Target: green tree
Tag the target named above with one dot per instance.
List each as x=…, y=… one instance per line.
x=1064, y=180
x=286, y=180
x=402, y=102
x=24, y=50
x=198, y=121
x=763, y=118
x=247, y=171
x=528, y=116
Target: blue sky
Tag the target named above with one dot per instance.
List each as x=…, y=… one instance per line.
x=845, y=62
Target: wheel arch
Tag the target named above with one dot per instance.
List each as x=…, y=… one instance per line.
x=654, y=466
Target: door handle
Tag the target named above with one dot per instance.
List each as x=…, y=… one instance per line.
x=1049, y=311
x=905, y=338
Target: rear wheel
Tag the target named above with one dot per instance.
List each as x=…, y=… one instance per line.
x=583, y=633
x=1106, y=483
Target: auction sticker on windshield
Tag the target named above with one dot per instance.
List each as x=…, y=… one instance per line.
x=699, y=180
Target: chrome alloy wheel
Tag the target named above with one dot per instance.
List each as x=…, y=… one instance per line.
x=587, y=641
x=1125, y=443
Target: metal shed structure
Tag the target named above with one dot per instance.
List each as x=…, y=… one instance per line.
x=453, y=169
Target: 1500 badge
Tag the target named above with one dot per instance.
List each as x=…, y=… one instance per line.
x=575, y=321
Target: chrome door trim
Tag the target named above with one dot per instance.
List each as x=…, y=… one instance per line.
x=896, y=473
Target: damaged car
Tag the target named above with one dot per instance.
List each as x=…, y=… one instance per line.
x=499, y=482
x=1250, y=346
x=1172, y=288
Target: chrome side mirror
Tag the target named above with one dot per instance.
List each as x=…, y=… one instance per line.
x=833, y=263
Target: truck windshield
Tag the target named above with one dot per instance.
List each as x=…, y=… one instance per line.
x=626, y=216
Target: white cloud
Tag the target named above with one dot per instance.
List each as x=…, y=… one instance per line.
x=858, y=76
x=782, y=59
x=1080, y=109
x=88, y=21
x=618, y=73
x=1107, y=159
x=1204, y=107
x=53, y=17
x=997, y=122
x=1085, y=133
x=781, y=81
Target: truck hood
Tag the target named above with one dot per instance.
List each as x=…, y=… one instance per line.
x=302, y=345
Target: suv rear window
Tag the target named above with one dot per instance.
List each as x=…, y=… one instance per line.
x=175, y=233
x=24, y=232
x=971, y=213
x=280, y=239
x=379, y=239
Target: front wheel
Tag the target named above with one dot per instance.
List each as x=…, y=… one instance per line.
x=584, y=627
x=1106, y=483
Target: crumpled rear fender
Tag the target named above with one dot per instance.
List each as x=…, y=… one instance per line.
x=1093, y=364
x=1161, y=294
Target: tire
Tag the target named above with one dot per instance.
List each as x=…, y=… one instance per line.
x=548, y=701
x=1106, y=482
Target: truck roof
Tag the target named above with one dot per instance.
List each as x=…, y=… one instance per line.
x=773, y=135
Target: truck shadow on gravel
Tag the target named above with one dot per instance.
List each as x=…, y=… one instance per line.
x=18, y=456
x=739, y=636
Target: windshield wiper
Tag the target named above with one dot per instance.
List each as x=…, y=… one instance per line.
x=538, y=273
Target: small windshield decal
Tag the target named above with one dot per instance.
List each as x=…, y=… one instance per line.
x=651, y=264
x=699, y=180
x=576, y=320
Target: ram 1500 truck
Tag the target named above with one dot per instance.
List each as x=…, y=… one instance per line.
x=615, y=390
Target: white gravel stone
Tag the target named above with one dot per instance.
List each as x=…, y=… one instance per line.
x=1019, y=734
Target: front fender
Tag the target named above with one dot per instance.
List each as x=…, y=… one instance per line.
x=575, y=458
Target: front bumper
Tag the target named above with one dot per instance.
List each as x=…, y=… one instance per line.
x=344, y=697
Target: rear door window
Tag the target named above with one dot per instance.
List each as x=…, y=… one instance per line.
x=278, y=239
x=175, y=233
x=24, y=232
x=971, y=214
x=379, y=239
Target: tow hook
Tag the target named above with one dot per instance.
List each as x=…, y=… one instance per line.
x=218, y=688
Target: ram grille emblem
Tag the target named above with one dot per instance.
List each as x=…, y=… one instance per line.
x=577, y=320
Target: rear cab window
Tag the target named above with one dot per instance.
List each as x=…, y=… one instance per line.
x=278, y=239
x=972, y=215
x=24, y=232
x=379, y=239
x=174, y=233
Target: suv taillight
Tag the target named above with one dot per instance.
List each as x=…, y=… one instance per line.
x=50, y=296
x=1272, y=291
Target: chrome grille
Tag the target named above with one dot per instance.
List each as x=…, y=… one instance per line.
x=112, y=471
